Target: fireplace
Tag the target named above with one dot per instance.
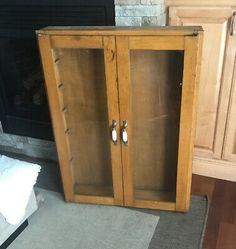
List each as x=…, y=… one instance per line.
x=23, y=102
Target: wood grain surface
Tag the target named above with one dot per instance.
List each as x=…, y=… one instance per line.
x=221, y=225
x=147, y=77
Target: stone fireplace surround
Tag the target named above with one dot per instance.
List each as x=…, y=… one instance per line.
x=127, y=13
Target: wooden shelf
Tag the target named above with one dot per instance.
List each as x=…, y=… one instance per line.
x=154, y=195
x=94, y=190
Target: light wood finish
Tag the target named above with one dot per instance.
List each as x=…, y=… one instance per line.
x=139, y=169
x=87, y=131
x=162, y=205
x=211, y=116
x=119, y=31
x=123, y=59
x=119, y=74
x=94, y=199
x=203, y=3
x=113, y=114
x=220, y=169
x=76, y=42
x=57, y=119
x=229, y=151
x=157, y=43
x=215, y=137
x=187, y=120
x=227, y=97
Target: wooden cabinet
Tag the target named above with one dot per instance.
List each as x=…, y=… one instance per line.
x=122, y=102
x=215, y=132
x=229, y=152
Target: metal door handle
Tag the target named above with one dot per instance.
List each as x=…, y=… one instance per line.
x=114, y=132
x=232, y=25
x=124, y=133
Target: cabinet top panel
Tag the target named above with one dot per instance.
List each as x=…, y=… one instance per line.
x=112, y=30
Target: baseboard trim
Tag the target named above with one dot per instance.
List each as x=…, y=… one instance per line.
x=214, y=168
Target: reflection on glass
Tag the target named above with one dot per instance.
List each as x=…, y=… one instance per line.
x=156, y=78
x=82, y=73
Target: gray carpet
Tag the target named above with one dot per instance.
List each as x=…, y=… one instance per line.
x=179, y=230
x=60, y=225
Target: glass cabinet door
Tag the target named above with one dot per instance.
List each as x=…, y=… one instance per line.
x=152, y=69
x=123, y=113
x=155, y=83
x=84, y=84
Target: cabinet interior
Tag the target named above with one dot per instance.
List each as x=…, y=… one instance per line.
x=83, y=94
x=156, y=84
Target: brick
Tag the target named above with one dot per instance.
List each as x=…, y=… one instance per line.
x=40, y=142
x=19, y=145
x=11, y=140
x=128, y=21
x=154, y=20
x=10, y=149
x=27, y=146
x=7, y=140
x=152, y=2
x=127, y=2
x=139, y=10
x=40, y=152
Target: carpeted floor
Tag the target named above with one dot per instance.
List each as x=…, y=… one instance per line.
x=60, y=225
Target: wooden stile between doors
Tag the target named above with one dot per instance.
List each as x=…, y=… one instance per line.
x=122, y=103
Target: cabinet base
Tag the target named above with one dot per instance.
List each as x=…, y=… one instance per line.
x=214, y=168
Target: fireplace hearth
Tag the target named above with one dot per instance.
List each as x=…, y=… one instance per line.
x=23, y=102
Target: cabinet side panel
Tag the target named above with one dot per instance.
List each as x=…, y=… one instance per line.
x=211, y=117
x=56, y=114
x=192, y=59
x=229, y=152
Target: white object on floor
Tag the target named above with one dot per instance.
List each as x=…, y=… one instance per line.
x=17, y=179
x=7, y=229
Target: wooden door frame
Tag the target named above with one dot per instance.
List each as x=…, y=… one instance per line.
x=192, y=53
x=211, y=14
x=47, y=43
x=229, y=139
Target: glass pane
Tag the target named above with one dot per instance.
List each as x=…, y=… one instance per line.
x=82, y=73
x=156, y=78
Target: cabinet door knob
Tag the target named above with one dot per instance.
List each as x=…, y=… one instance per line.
x=232, y=26
x=124, y=133
x=114, y=132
